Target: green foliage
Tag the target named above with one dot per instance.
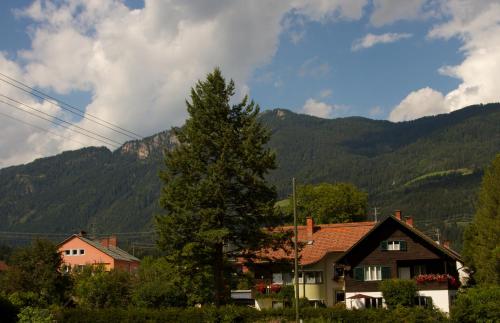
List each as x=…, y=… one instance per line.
x=97, y=288
x=398, y=292
x=214, y=189
x=482, y=237
x=238, y=314
x=158, y=285
x=119, y=191
x=35, y=315
x=34, y=275
x=480, y=304
x=330, y=203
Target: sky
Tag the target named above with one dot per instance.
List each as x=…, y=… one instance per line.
x=132, y=63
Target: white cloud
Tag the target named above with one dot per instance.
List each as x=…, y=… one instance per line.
x=371, y=40
x=477, y=24
x=314, y=67
x=418, y=104
x=139, y=64
x=322, y=109
x=389, y=11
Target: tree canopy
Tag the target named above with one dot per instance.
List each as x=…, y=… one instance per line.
x=215, y=193
x=330, y=203
x=482, y=237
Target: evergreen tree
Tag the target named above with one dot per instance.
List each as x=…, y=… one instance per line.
x=215, y=195
x=482, y=237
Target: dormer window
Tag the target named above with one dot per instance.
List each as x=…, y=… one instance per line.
x=393, y=245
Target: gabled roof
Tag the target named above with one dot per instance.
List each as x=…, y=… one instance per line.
x=326, y=238
x=447, y=251
x=112, y=251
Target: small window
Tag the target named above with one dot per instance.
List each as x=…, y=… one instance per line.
x=277, y=278
x=393, y=245
x=312, y=277
x=424, y=301
x=375, y=302
x=419, y=270
x=339, y=296
x=67, y=252
x=82, y=251
x=74, y=252
x=287, y=278
x=372, y=273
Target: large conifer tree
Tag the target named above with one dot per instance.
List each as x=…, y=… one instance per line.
x=215, y=195
x=482, y=237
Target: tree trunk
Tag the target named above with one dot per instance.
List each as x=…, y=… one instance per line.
x=219, y=275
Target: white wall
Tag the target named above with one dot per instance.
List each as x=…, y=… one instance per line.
x=440, y=298
x=359, y=303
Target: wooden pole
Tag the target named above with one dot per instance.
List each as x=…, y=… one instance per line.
x=296, y=256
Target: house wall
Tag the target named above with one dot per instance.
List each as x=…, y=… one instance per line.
x=370, y=253
x=128, y=266
x=92, y=255
x=315, y=292
x=440, y=298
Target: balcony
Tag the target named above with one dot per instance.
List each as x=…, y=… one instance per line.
x=436, y=282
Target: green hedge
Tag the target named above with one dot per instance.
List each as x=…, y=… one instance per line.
x=244, y=314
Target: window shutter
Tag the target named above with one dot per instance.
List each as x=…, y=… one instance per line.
x=383, y=245
x=386, y=273
x=359, y=273
x=402, y=245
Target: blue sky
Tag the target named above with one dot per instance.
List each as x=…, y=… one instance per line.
x=132, y=63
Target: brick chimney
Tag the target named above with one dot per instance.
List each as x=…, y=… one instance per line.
x=446, y=244
x=398, y=214
x=108, y=241
x=409, y=221
x=309, y=228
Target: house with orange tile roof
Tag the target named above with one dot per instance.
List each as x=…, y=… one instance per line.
x=345, y=262
x=78, y=251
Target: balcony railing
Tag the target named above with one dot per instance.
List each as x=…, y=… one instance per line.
x=437, y=281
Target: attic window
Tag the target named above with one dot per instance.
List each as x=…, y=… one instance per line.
x=393, y=245
x=82, y=251
x=74, y=252
x=67, y=252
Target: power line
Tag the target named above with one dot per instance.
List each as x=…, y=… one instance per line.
x=58, y=124
x=39, y=128
x=68, y=107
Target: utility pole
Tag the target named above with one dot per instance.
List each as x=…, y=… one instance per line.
x=438, y=235
x=375, y=214
x=296, y=248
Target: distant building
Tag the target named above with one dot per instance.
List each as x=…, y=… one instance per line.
x=78, y=251
x=345, y=262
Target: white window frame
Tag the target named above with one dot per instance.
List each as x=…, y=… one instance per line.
x=394, y=245
x=372, y=273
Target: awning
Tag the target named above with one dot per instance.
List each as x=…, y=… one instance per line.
x=358, y=296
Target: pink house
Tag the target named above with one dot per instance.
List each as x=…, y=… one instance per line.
x=78, y=251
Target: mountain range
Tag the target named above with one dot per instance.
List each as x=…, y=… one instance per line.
x=430, y=168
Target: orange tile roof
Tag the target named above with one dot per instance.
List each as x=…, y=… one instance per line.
x=326, y=238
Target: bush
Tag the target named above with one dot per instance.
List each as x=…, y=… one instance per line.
x=35, y=315
x=480, y=304
x=398, y=292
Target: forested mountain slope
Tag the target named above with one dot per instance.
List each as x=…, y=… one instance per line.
x=430, y=168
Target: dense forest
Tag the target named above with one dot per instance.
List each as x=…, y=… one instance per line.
x=430, y=168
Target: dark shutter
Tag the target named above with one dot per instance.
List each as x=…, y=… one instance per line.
x=402, y=245
x=383, y=245
x=386, y=273
x=359, y=273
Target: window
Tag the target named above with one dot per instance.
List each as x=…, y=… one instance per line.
x=67, y=252
x=419, y=270
x=393, y=245
x=82, y=252
x=312, y=277
x=277, y=278
x=339, y=296
x=375, y=302
x=74, y=252
x=282, y=278
x=372, y=273
x=424, y=301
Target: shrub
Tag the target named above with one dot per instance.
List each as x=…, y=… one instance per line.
x=398, y=292
x=35, y=315
x=480, y=304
